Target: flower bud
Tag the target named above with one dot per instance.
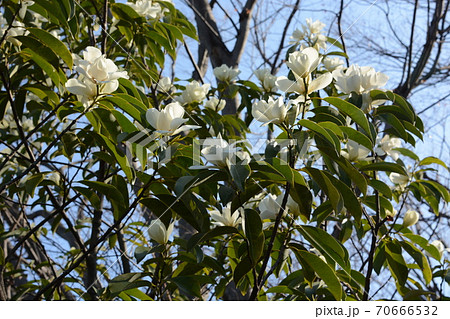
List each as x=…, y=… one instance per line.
x=411, y=218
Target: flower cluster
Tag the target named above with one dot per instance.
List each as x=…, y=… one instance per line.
x=312, y=33
x=97, y=75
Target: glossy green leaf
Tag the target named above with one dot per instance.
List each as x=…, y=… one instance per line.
x=355, y=113
x=254, y=234
x=324, y=271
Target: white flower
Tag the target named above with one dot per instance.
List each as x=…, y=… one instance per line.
x=164, y=84
x=272, y=111
x=270, y=206
x=302, y=63
x=332, y=64
x=225, y=73
x=168, y=120
x=147, y=9
x=411, y=218
x=218, y=152
x=319, y=41
x=261, y=74
x=386, y=146
x=226, y=218
x=399, y=179
x=158, y=231
x=98, y=75
x=297, y=36
x=355, y=152
x=360, y=80
x=215, y=104
x=313, y=27
x=194, y=92
x=267, y=80
x=298, y=86
x=23, y=8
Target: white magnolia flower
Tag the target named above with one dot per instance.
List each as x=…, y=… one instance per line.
x=148, y=9
x=355, y=152
x=313, y=27
x=164, y=84
x=319, y=41
x=387, y=145
x=399, y=179
x=267, y=80
x=298, y=86
x=169, y=119
x=225, y=73
x=23, y=8
x=360, y=80
x=261, y=74
x=332, y=64
x=297, y=36
x=272, y=111
x=218, y=152
x=302, y=63
x=215, y=104
x=270, y=206
x=411, y=218
x=226, y=218
x=98, y=75
x=194, y=92
x=158, y=231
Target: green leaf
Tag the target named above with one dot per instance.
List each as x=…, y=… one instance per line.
x=327, y=186
x=322, y=131
x=357, y=136
x=333, y=251
x=396, y=263
x=355, y=113
x=131, y=109
x=43, y=64
x=381, y=187
x=254, y=234
x=385, y=167
x=240, y=173
x=433, y=160
x=242, y=268
x=112, y=194
x=324, y=271
x=303, y=197
x=54, y=44
x=420, y=260
x=335, y=42
x=215, y=232
x=425, y=245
